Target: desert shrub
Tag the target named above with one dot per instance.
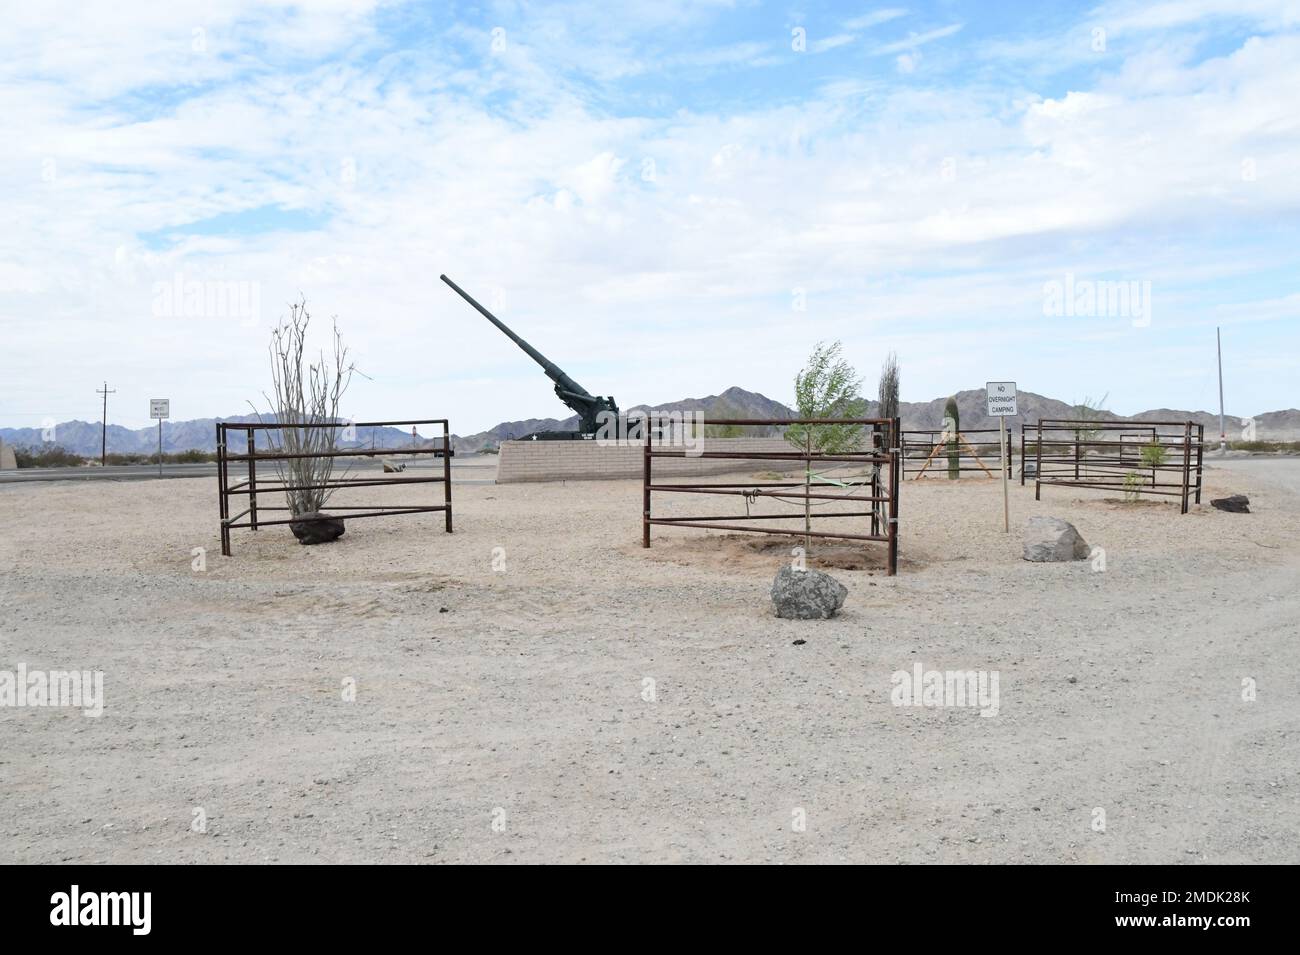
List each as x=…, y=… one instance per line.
x=1291, y=446
x=191, y=456
x=195, y=456
x=47, y=456
x=1133, y=483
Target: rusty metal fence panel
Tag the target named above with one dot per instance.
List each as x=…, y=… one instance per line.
x=1160, y=458
x=252, y=485
x=881, y=455
x=925, y=451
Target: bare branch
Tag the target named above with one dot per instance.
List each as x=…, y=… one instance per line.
x=305, y=393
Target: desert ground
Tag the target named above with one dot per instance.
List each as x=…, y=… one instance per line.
x=537, y=687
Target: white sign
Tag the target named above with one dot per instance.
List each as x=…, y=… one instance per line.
x=1001, y=398
x=160, y=408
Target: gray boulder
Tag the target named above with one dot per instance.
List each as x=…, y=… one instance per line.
x=806, y=594
x=1235, y=503
x=316, y=527
x=1050, y=538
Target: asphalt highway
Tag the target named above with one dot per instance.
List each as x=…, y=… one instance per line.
x=471, y=469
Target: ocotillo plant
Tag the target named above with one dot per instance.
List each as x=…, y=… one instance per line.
x=305, y=392
x=952, y=424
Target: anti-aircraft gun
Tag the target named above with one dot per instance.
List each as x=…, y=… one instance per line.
x=589, y=407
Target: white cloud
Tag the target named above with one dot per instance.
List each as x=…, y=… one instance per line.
x=1128, y=15
x=514, y=178
x=914, y=40
x=874, y=18
x=593, y=181
x=832, y=42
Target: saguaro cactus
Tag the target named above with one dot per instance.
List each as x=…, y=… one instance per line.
x=952, y=425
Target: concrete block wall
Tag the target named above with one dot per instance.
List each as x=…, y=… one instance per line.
x=589, y=461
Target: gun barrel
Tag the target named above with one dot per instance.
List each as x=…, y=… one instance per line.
x=552, y=370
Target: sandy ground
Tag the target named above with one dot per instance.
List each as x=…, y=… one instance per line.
x=507, y=715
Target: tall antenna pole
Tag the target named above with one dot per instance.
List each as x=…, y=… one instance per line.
x=1223, y=434
x=103, y=430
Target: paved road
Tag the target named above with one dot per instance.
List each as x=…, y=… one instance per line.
x=470, y=469
x=131, y=472
x=1275, y=470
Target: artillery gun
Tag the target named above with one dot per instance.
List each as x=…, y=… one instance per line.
x=589, y=408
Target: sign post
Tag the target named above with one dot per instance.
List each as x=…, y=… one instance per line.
x=1001, y=396
x=160, y=408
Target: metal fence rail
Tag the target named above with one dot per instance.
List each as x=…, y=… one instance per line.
x=880, y=458
x=1160, y=458
x=251, y=485
x=979, y=449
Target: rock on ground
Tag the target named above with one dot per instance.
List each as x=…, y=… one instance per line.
x=316, y=527
x=1236, y=503
x=1050, y=538
x=806, y=594
x=222, y=688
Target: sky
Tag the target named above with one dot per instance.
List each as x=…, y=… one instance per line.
x=666, y=198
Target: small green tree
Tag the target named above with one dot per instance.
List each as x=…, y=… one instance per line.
x=828, y=387
x=1153, y=454
x=1090, y=410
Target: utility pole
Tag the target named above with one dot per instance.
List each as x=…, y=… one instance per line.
x=103, y=429
x=1223, y=434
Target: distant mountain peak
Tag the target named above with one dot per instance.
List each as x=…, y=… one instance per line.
x=83, y=437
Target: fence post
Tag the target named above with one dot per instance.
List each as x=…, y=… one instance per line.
x=1187, y=462
x=223, y=506
x=221, y=460
x=875, y=479
x=1022, y=455
x=1200, y=457
x=645, y=484
x=252, y=480
x=807, y=490
x=895, y=471
x=1038, y=461
x=446, y=469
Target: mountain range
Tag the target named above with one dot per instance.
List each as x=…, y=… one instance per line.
x=82, y=437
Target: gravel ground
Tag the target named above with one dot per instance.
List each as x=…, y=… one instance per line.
x=538, y=688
